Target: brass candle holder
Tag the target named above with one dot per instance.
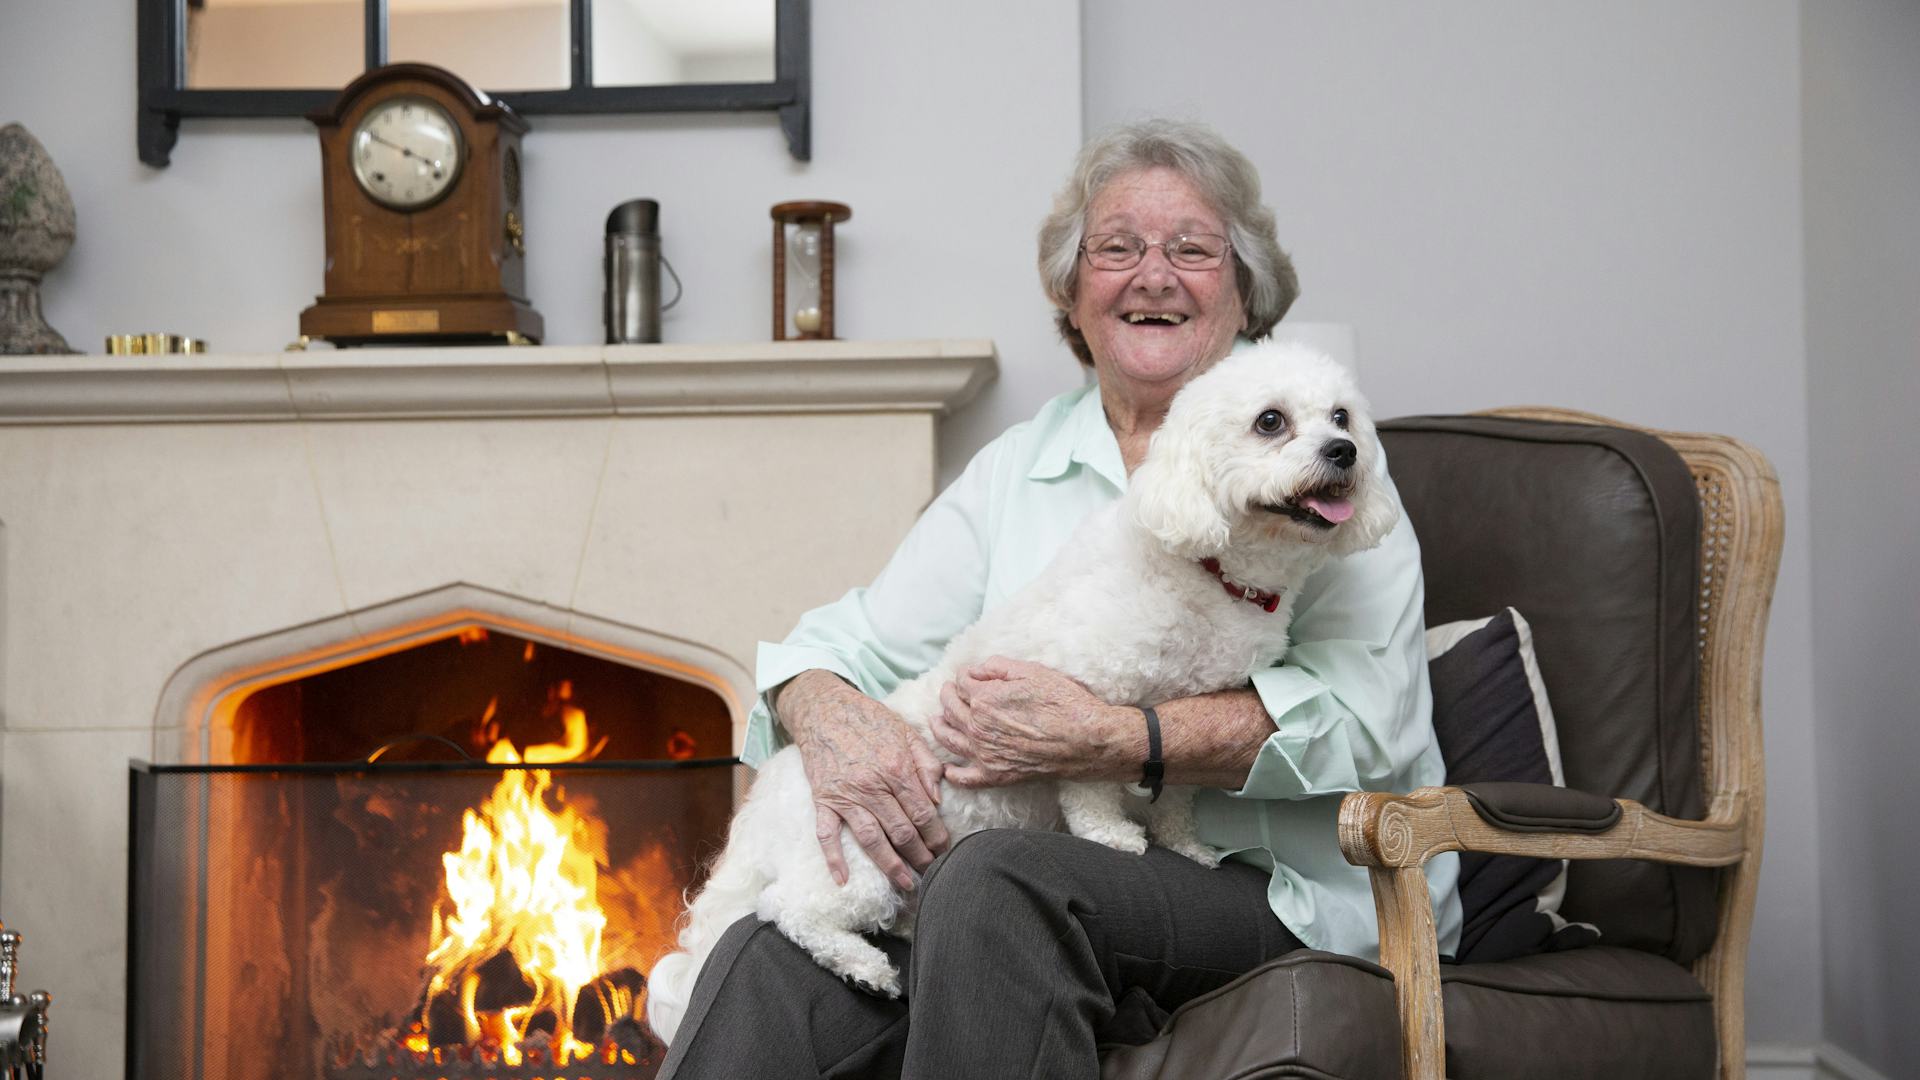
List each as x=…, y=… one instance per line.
x=152, y=344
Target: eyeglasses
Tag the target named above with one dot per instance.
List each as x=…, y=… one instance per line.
x=1123, y=251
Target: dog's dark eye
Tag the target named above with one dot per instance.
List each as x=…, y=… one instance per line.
x=1340, y=419
x=1270, y=422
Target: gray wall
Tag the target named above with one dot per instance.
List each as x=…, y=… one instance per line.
x=1550, y=202
x=1861, y=65
x=945, y=127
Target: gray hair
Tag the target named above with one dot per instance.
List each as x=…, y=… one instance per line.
x=1225, y=179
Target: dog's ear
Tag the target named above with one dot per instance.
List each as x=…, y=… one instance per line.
x=1173, y=495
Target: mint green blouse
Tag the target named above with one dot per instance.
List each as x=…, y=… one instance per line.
x=1350, y=703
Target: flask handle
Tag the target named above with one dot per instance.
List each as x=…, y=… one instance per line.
x=678, y=289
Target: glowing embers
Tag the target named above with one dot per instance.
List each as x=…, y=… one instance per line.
x=609, y=1062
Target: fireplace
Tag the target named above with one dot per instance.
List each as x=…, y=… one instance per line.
x=459, y=857
x=182, y=538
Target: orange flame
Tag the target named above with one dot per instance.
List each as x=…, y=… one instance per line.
x=524, y=882
x=571, y=747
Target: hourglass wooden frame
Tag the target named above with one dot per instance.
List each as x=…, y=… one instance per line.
x=823, y=214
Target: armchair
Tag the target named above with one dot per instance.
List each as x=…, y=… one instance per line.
x=1645, y=562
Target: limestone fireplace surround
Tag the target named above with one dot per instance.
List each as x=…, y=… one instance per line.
x=171, y=525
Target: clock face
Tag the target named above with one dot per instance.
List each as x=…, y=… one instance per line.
x=406, y=153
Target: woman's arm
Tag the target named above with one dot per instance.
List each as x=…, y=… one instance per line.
x=821, y=687
x=1014, y=721
x=868, y=771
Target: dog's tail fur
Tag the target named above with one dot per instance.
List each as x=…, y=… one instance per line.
x=732, y=892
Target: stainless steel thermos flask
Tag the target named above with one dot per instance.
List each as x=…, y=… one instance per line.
x=632, y=266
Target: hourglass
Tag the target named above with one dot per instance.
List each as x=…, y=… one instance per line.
x=803, y=268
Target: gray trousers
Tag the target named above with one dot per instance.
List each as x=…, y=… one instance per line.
x=1030, y=950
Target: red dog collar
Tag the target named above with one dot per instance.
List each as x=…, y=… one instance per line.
x=1267, y=600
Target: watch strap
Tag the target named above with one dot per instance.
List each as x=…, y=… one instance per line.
x=1153, y=774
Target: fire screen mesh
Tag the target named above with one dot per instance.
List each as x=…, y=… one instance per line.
x=372, y=922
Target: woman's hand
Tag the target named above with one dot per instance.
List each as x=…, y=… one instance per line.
x=869, y=771
x=1012, y=721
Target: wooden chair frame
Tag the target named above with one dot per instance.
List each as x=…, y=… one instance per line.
x=1392, y=835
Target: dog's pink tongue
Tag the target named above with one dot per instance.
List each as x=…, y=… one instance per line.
x=1334, y=510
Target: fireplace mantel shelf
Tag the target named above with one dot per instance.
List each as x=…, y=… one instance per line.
x=934, y=376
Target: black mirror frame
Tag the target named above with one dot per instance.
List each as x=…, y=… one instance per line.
x=165, y=98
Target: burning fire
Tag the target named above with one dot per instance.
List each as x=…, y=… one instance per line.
x=525, y=883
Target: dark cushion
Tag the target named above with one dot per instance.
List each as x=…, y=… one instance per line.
x=1600, y=1013
x=1493, y=721
x=1593, y=532
x=1307, y=1014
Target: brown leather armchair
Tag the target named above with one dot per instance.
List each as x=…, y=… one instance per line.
x=1645, y=562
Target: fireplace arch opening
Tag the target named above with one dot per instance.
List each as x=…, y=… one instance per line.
x=314, y=692
x=470, y=692
x=431, y=839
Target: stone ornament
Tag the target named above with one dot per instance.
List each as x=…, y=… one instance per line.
x=36, y=230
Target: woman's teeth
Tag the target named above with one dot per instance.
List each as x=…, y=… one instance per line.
x=1168, y=319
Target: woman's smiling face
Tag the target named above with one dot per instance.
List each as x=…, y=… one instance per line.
x=1155, y=325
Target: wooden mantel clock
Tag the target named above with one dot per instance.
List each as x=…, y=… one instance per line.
x=425, y=240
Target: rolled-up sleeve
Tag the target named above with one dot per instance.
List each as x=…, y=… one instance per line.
x=880, y=635
x=1350, y=703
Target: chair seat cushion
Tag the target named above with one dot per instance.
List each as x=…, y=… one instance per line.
x=1594, y=1012
x=1597, y=1012
x=1307, y=1014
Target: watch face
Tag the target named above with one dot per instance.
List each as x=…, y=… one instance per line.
x=406, y=152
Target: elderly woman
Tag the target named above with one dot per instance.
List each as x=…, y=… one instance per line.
x=1030, y=947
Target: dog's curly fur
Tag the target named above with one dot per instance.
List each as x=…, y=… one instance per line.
x=1128, y=611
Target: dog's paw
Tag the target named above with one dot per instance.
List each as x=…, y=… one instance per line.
x=1127, y=836
x=1199, y=853
x=882, y=979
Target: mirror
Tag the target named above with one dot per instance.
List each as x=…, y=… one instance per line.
x=290, y=57
x=655, y=42
x=233, y=45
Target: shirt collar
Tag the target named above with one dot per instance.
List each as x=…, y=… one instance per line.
x=1081, y=438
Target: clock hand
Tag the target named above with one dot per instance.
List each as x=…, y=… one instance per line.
x=405, y=151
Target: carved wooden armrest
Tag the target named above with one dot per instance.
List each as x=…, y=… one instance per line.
x=1403, y=831
x=1392, y=835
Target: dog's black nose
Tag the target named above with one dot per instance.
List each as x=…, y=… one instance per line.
x=1340, y=452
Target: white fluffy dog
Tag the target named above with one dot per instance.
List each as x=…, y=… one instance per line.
x=1263, y=469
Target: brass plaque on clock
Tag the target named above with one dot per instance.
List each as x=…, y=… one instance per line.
x=406, y=322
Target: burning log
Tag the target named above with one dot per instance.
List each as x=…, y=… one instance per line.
x=607, y=1039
